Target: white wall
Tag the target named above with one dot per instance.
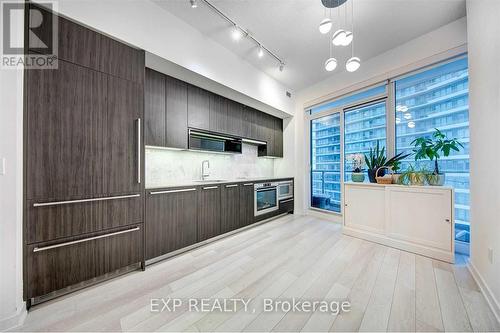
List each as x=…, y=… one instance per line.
x=484, y=105
x=150, y=27
x=434, y=46
x=11, y=115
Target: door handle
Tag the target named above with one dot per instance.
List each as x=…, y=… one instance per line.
x=248, y=184
x=447, y=220
x=173, y=191
x=211, y=187
x=139, y=150
x=44, y=248
x=234, y=185
x=55, y=203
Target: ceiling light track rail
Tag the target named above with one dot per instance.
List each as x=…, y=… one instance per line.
x=244, y=32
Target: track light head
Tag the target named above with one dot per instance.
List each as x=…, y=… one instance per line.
x=194, y=3
x=281, y=67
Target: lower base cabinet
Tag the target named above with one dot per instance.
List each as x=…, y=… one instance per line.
x=171, y=220
x=247, y=215
x=55, y=266
x=209, y=212
x=230, y=208
x=417, y=219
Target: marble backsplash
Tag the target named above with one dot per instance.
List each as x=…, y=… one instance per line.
x=167, y=167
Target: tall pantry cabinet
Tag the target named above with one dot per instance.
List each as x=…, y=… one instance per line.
x=83, y=153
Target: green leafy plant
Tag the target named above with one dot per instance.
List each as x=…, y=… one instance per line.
x=432, y=148
x=376, y=158
x=412, y=176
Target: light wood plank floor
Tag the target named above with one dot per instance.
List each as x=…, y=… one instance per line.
x=292, y=257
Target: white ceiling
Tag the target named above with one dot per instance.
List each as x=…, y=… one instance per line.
x=290, y=29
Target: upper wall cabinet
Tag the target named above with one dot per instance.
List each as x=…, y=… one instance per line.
x=82, y=46
x=166, y=113
x=173, y=106
x=198, y=108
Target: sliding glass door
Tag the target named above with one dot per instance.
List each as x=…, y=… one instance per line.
x=326, y=163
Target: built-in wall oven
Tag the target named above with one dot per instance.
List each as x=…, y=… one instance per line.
x=285, y=190
x=266, y=198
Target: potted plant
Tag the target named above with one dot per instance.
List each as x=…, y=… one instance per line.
x=412, y=176
x=357, y=163
x=433, y=148
x=377, y=159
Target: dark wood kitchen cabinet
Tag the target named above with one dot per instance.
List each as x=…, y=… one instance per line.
x=66, y=118
x=83, y=144
x=198, y=108
x=87, y=258
x=176, y=113
x=230, y=207
x=209, y=212
x=171, y=216
x=246, y=204
x=166, y=111
x=154, y=108
x=234, y=118
x=122, y=158
x=218, y=114
x=278, y=137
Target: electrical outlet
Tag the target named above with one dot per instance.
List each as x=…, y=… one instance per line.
x=490, y=255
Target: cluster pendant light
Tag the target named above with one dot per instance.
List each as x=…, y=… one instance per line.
x=341, y=37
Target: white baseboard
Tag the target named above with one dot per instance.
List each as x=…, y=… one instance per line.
x=14, y=320
x=490, y=297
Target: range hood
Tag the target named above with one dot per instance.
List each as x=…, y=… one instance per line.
x=206, y=141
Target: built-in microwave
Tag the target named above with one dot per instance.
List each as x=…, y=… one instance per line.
x=266, y=198
x=285, y=189
x=199, y=140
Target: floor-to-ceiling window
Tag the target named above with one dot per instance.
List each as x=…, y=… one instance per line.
x=364, y=126
x=431, y=98
x=325, y=163
x=439, y=98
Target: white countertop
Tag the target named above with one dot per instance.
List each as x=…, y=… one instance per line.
x=215, y=182
x=399, y=185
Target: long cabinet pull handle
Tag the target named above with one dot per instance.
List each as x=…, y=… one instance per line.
x=55, y=203
x=234, y=185
x=173, y=191
x=210, y=187
x=248, y=184
x=44, y=248
x=139, y=150
x=287, y=200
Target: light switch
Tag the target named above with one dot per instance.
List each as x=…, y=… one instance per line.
x=2, y=166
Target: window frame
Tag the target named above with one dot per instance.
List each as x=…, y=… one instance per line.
x=389, y=95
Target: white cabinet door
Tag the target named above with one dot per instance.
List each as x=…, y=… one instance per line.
x=421, y=216
x=365, y=208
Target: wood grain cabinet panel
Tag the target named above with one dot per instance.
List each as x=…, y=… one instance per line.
x=176, y=113
x=171, y=221
x=209, y=212
x=121, y=60
x=154, y=109
x=198, y=108
x=218, y=114
x=278, y=137
x=66, y=115
x=230, y=207
x=246, y=204
x=234, y=118
x=53, y=222
x=247, y=123
x=57, y=268
x=125, y=107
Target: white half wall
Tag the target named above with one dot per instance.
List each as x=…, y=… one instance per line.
x=434, y=46
x=484, y=106
x=146, y=25
x=12, y=309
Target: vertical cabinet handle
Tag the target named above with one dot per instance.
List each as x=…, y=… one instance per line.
x=139, y=150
